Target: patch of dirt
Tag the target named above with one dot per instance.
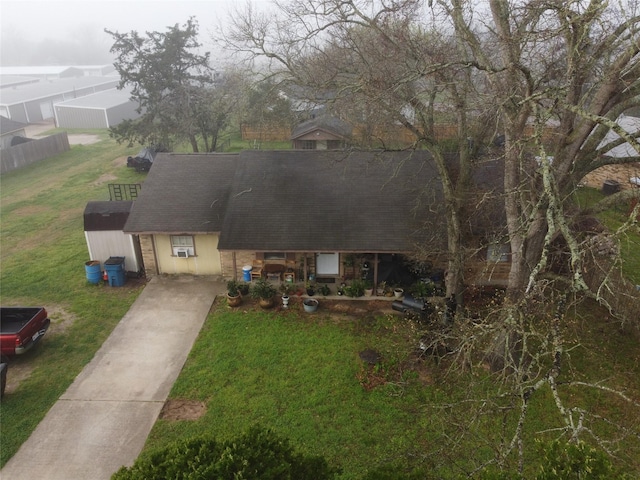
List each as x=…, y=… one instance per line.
x=179, y=409
x=104, y=178
x=21, y=367
x=83, y=139
x=60, y=318
x=119, y=162
x=30, y=210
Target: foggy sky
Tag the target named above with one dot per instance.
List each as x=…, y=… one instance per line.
x=72, y=32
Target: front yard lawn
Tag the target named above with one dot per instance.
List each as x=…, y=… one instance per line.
x=302, y=376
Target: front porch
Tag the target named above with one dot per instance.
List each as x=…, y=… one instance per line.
x=378, y=272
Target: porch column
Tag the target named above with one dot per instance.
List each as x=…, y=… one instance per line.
x=305, y=271
x=235, y=265
x=375, y=274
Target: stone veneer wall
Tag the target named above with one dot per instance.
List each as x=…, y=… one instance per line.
x=148, y=255
x=620, y=173
x=242, y=258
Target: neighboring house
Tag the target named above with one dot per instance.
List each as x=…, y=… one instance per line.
x=625, y=175
x=10, y=130
x=321, y=133
x=99, y=110
x=309, y=212
x=34, y=102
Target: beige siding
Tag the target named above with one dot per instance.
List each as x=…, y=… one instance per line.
x=205, y=262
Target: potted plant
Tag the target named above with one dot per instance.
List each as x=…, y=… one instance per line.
x=287, y=289
x=311, y=289
x=310, y=305
x=263, y=291
x=368, y=288
x=422, y=289
x=244, y=288
x=234, y=297
x=325, y=290
x=356, y=289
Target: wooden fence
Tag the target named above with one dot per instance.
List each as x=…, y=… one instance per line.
x=20, y=156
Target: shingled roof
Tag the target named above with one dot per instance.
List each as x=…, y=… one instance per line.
x=326, y=201
x=310, y=201
x=329, y=124
x=183, y=194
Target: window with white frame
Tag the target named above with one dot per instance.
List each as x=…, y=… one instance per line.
x=182, y=246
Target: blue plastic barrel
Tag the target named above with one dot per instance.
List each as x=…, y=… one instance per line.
x=115, y=271
x=246, y=273
x=92, y=269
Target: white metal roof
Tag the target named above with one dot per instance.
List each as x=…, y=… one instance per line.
x=104, y=99
x=36, y=91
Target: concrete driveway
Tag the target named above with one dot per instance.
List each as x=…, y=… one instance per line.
x=102, y=421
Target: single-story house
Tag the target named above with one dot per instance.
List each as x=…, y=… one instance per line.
x=623, y=175
x=295, y=214
x=321, y=133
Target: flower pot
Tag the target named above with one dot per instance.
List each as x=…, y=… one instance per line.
x=266, y=302
x=311, y=292
x=368, y=292
x=310, y=305
x=234, y=301
x=285, y=301
x=398, y=292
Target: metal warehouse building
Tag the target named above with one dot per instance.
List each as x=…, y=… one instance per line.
x=100, y=110
x=34, y=102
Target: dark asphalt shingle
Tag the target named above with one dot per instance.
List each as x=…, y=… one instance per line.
x=183, y=194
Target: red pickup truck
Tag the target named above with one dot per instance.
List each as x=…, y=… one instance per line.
x=21, y=328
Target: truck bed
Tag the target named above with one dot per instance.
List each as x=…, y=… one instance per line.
x=12, y=320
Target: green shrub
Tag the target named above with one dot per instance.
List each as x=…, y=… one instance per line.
x=569, y=461
x=258, y=455
x=356, y=289
x=262, y=289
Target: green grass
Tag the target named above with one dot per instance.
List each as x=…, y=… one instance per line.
x=297, y=374
x=43, y=251
x=300, y=374
x=613, y=219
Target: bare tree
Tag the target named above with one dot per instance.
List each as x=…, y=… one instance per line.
x=380, y=70
x=553, y=77
x=573, y=65
x=517, y=68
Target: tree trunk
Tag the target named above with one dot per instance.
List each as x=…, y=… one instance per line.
x=194, y=143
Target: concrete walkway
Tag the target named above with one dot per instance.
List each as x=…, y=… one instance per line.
x=102, y=421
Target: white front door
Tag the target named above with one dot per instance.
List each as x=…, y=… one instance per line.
x=327, y=264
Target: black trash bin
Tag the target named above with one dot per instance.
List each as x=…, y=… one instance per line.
x=115, y=271
x=609, y=187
